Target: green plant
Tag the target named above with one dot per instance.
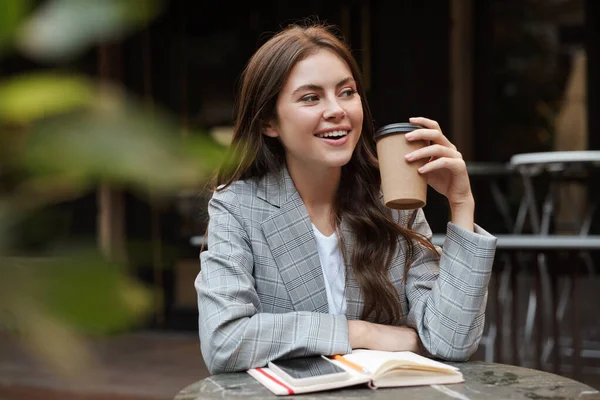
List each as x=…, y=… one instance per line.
x=61, y=135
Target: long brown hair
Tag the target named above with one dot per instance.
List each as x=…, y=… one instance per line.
x=253, y=155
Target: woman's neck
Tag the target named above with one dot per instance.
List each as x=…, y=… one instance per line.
x=318, y=189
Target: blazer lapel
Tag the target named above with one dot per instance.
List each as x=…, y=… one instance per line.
x=290, y=237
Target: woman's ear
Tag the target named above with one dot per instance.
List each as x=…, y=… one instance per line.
x=270, y=129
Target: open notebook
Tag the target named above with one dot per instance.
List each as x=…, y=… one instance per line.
x=382, y=369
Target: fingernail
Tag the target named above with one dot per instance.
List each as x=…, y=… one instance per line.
x=409, y=135
x=421, y=169
x=409, y=156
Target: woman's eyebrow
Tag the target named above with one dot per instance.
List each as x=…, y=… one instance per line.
x=317, y=88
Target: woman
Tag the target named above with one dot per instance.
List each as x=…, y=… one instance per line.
x=303, y=258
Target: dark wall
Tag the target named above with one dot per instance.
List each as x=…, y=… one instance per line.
x=410, y=72
x=409, y=51
x=482, y=79
x=410, y=61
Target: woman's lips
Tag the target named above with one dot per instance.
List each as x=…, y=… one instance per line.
x=335, y=142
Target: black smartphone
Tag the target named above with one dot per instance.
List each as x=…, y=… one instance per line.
x=305, y=371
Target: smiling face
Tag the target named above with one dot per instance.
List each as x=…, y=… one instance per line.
x=319, y=113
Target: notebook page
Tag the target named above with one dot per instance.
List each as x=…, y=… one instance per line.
x=405, y=377
x=373, y=360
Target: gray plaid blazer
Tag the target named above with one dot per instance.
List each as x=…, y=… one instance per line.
x=261, y=293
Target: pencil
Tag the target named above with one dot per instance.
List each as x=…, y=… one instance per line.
x=351, y=364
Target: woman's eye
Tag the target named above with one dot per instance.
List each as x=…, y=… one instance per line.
x=348, y=93
x=310, y=98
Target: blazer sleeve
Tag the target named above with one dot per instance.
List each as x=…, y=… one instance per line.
x=447, y=296
x=234, y=334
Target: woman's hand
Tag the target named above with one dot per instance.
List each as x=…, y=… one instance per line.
x=367, y=335
x=445, y=170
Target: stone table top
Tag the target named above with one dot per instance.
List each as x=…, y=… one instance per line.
x=482, y=381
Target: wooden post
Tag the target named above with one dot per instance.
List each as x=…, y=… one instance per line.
x=592, y=38
x=461, y=76
x=184, y=76
x=155, y=220
x=110, y=202
x=592, y=35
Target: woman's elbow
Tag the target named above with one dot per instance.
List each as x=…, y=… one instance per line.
x=466, y=341
x=226, y=353
x=461, y=354
x=460, y=348
x=225, y=346
x=218, y=359
x=215, y=368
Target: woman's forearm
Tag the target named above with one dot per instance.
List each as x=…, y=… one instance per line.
x=367, y=335
x=357, y=334
x=463, y=215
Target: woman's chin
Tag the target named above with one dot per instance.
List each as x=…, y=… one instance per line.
x=338, y=162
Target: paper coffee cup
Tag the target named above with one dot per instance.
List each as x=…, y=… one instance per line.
x=402, y=185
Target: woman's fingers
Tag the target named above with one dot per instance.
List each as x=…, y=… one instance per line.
x=434, y=150
x=430, y=135
x=431, y=132
x=426, y=122
x=455, y=165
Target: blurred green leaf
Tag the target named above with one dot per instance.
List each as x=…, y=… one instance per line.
x=121, y=145
x=48, y=338
x=204, y=148
x=5, y=223
x=82, y=290
x=32, y=96
x=12, y=12
x=62, y=29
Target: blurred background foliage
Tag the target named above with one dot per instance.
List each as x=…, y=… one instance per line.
x=61, y=135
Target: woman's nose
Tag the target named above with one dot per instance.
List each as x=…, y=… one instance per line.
x=334, y=111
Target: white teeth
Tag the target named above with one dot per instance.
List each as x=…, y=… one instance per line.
x=333, y=134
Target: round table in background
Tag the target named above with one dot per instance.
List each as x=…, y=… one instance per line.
x=482, y=381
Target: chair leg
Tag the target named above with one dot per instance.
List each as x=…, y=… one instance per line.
x=555, y=324
x=529, y=323
x=539, y=331
x=575, y=326
x=515, y=319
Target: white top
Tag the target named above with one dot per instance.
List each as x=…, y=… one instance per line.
x=334, y=271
